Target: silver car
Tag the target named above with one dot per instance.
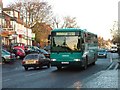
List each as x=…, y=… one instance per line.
x=7, y=56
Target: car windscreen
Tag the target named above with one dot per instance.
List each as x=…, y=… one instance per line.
x=43, y=51
x=101, y=50
x=114, y=47
x=31, y=56
x=5, y=52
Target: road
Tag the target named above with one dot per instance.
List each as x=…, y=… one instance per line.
x=14, y=75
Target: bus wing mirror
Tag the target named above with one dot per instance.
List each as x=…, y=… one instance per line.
x=49, y=37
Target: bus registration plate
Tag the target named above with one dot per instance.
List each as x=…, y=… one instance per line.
x=65, y=62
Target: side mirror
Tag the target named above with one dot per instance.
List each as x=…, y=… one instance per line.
x=49, y=37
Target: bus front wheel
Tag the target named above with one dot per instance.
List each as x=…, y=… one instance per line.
x=85, y=64
x=59, y=67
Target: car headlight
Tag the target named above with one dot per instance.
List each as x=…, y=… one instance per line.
x=53, y=59
x=76, y=59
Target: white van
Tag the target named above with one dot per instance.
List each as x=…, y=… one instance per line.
x=114, y=48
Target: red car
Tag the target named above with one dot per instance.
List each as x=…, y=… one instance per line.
x=19, y=52
x=19, y=45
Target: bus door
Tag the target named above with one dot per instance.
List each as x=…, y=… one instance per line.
x=90, y=54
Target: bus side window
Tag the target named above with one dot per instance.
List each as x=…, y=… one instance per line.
x=83, y=44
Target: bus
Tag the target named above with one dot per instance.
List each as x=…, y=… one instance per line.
x=73, y=47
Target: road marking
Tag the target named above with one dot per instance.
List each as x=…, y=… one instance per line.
x=31, y=74
x=76, y=85
x=110, y=66
x=34, y=73
x=6, y=80
x=116, y=66
x=110, y=58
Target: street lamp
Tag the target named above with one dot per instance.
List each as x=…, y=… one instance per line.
x=0, y=42
x=0, y=32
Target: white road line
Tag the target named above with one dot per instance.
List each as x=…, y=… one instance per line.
x=30, y=74
x=6, y=80
x=110, y=58
x=116, y=66
x=110, y=66
x=34, y=73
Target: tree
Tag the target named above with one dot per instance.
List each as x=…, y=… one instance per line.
x=33, y=11
x=41, y=31
x=65, y=22
x=101, y=41
x=69, y=22
x=115, y=32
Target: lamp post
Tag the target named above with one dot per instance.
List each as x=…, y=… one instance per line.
x=0, y=31
x=0, y=42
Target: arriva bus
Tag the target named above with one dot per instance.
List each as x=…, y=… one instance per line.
x=73, y=47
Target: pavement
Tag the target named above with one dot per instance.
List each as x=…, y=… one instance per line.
x=105, y=79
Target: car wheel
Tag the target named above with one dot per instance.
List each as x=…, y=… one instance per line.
x=48, y=65
x=35, y=68
x=93, y=63
x=26, y=68
x=3, y=60
x=106, y=56
x=59, y=67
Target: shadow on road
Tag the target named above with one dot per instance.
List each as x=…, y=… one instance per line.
x=72, y=69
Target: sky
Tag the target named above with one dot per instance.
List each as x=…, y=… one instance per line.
x=96, y=16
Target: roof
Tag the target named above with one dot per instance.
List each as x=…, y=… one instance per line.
x=10, y=9
x=67, y=29
x=71, y=30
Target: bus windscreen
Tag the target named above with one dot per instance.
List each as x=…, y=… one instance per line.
x=66, y=43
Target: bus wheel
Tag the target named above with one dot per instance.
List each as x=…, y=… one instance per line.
x=59, y=67
x=85, y=64
x=93, y=63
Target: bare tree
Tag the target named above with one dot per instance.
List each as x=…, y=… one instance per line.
x=65, y=22
x=115, y=33
x=56, y=22
x=69, y=22
x=33, y=11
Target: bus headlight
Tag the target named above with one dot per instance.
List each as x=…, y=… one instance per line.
x=76, y=59
x=53, y=59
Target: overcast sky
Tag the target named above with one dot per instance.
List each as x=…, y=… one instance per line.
x=96, y=16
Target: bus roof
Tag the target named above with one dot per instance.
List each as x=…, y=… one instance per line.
x=66, y=29
x=71, y=30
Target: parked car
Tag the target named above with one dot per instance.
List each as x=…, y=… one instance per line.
x=31, y=49
x=19, y=52
x=47, y=48
x=47, y=55
x=34, y=49
x=19, y=45
x=7, y=56
x=102, y=53
x=35, y=60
